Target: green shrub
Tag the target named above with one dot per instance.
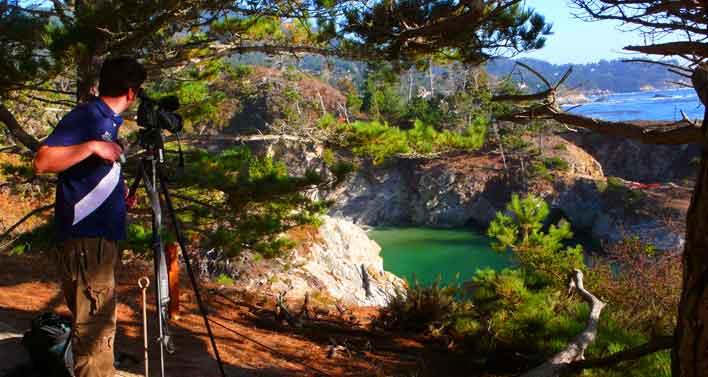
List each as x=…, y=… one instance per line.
x=601, y=186
x=420, y=308
x=539, y=169
x=538, y=251
x=224, y=279
x=630, y=197
x=379, y=141
x=615, y=183
x=556, y=163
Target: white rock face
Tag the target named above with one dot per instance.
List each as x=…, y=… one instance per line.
x=347, y=263
x=339, y=262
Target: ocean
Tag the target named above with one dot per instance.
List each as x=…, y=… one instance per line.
x=660, y=105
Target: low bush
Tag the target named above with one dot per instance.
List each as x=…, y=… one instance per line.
x=642, y=284
x=556, y=163
x=421, y=308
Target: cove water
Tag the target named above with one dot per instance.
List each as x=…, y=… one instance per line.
x=427, y=252
x=658, y=105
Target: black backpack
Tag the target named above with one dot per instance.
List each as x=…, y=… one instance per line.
x=48, y=343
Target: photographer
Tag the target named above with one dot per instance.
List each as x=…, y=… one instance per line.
x=90, y=210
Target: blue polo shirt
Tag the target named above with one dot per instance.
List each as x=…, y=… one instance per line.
x=90, y=195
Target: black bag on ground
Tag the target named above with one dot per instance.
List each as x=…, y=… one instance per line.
x=49, y=346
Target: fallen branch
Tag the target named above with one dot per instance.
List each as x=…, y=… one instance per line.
x=546, y=95
x=25, y=218
x=665, y=64
x=656, y=345
x=283, y=312
x=576, y=349
x=16, y=130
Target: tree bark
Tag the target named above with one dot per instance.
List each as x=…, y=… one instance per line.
x=690, y=355
x=88, y=63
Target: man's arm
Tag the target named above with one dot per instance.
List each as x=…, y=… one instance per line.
x=57, y=159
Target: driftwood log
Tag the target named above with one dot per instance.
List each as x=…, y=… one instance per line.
x=575, y=350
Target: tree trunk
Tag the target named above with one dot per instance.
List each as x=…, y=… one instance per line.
x=430, y=76
x=88, y=62
x=690, y=354
x=410, y=84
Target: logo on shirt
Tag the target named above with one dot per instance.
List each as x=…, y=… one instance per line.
x=107, y=136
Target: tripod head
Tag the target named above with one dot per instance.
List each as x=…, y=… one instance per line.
x=155, y=116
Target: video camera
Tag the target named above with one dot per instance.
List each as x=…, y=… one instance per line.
x=159, y=114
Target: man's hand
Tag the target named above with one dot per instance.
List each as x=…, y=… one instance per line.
x=106, y=150
x=130, y=199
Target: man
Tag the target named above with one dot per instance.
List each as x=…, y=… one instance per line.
x=90, y=210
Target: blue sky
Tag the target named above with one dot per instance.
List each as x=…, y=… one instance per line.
x=577, y=41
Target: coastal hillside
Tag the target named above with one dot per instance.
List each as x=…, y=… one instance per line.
x=601, y=77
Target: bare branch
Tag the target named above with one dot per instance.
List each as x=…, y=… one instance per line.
x=535, y=73
x=667, y=134
x=684, y=117
x=680, y=73
x=682, y=84
x=546, y=95
x=16, y=130
x=564, y=77
x=576, y=349
x=36, y=211
x=648, y=61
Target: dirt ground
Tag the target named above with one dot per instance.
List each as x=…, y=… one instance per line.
x=251, y=342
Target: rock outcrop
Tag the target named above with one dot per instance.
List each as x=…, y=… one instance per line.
x=337, y=262
x=634, y=161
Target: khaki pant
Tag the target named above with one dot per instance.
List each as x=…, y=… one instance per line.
x=87, y=268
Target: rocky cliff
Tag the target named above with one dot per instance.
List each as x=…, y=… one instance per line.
x=335, y=263
x=468, y=189
x=639, y=162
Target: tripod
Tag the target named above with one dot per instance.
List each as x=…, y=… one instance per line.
x=150, y=170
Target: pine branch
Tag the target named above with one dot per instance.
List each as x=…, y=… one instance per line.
x=672, y=48
x=16, y=130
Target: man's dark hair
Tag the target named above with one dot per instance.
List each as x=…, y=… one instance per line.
x=118, y=74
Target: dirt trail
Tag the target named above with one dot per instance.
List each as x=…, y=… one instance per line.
x=28, y=287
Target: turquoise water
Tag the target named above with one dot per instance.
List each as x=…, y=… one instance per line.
x=428, y=252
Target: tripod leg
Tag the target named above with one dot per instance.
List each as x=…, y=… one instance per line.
x=161, y=285
x=188, y=265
